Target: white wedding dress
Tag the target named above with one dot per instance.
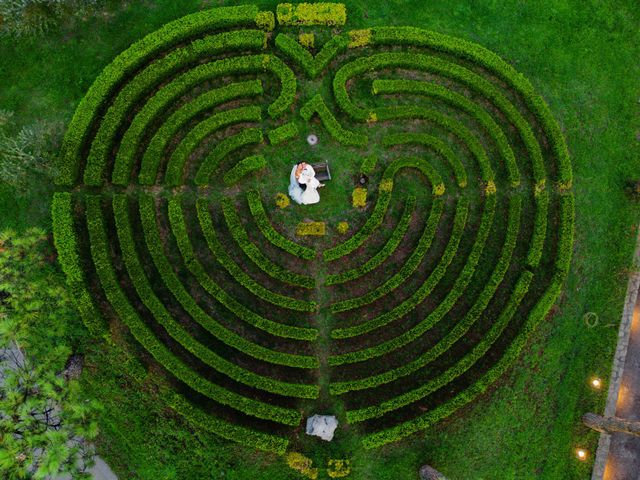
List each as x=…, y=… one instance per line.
x=307, y=177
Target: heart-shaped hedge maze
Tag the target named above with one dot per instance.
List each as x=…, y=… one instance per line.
x=165, y=220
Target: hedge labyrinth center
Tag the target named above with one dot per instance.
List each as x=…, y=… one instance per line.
x=167, y=228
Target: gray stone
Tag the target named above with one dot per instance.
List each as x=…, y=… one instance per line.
x=429, y=473
x=322, y=426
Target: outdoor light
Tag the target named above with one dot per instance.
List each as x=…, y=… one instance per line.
x=596, y=383
x=581, y=454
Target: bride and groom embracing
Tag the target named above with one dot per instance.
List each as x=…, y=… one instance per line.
x=303, y=186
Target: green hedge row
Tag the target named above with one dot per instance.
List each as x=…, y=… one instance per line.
x=270, y=233
x=146, y=337
x=242, y=435
x=225, y=260
x=493, y=63
x=178, y=160
x=248, y=136
x=146, y=293
x=539, y=229
x=409, y=266
x=66, y=243
x=173, y=283
x=384, y=197
x=155, y=150
x=456, y=128
x=282, y=133
x=141, y=85
x=311, y=14
x=566, y=232
x=312, y=65
x=384, y=253
x=181, y=235
x=514, y=350
x=425, y=289
x=337, y=131
x=439, y=66
x=426, y=324
x=124, y=65
x=243, y=168
x=254, y=253
x=434, y=143
x=456, y=100
x=461, y=327
x=470, y=359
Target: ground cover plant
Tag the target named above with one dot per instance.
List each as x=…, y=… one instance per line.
x=461, y=251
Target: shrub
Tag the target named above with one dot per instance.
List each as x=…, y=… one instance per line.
x=307, y=40
x=359, y=197
x=384, y=253
x=266, y=21
x=254, y=253
x=261, y=219
x=178, y=160
x=311, y=228
x=342, y=227
x=66, y=242
x=175, y=330
x=146, y=337
x=243, y=168
x=282, y=133
x=282, y=200
x=179, y=229
x=311, y=14
x=302, y=465
x=125, y=64
x=175, y=286
x=339, y=468
x=539, y=229
x=311, y=65
x=369, y=164
x=359, y=38
x=337, y=131
x=226, y=262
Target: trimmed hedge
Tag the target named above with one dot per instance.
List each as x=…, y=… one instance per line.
x=312, y=65
x=410, y=265
x=181, y=235
x=456, y=100
x=173, y=283
x=459, y=223
x=514, y=350
x=176, y=331
x=439, y=66
x=243, y=168
x=384, y=197
x=226, y=262
x=254, y=253
x=177, y=162
x=146, y=337
x=426, y=324
x=249, y=136
x=337, y=131
x=242, y=435
x=66, y=243
x=453, y=126
x=461, y=328
x=155, y=150
x=384, y=253
x=124, y=65
x=270, y=233
x=311, y=14
x=282, y=133
x=496, y=65
x=143, y=83
x=434, y=143
x=470, y=359
x=565, y=235
x=539, y=229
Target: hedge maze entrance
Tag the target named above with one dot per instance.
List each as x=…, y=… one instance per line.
x=165, y=220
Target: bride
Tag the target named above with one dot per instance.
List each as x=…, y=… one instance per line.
x=303, y=186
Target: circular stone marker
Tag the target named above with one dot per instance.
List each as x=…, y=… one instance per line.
x=312, y=139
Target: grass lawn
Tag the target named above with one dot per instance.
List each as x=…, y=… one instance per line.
x=582, y=58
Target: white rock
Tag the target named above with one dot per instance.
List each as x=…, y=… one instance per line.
x=322, y=426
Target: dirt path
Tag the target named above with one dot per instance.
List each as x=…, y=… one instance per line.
x=618, y=455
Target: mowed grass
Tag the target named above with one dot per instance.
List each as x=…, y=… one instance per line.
x=582, y=57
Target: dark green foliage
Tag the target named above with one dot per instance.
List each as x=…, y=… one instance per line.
x=282, y=133
x=312, y=65
x=337, y=131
